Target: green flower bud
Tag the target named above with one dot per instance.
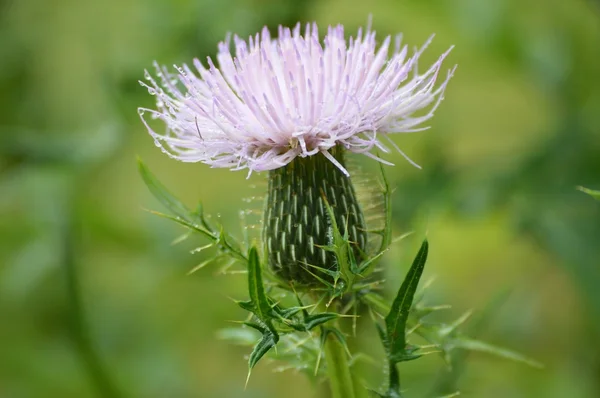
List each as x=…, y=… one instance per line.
x=297, y=226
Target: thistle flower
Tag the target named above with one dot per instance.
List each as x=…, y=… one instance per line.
x=276, y=100
x=293, y=106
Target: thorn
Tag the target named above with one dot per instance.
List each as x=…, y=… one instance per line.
x=411, y=330
x=247, y=379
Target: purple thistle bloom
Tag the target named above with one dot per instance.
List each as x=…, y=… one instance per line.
x=292, y=96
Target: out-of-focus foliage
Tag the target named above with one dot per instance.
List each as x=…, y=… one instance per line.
x=594, y=194
x=518, y=131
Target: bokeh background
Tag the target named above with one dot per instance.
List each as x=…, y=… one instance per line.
x=518, y=131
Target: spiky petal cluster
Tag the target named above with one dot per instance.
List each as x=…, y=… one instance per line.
x=292, y=96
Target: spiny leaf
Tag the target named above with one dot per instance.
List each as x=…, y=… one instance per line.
x=267, y=342
x=193, y=220
x=161, y=193
x=326, y=331
x=260, y=305
x=594, y=194
x=223, y=243
x=301, y=304
x=396, y=319
x=256, y=289
x=287, y=313
x=257, y=326
x=476, y=345
x=315, y=320
x=246, y=305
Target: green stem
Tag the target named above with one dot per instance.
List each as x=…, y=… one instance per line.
x=338, y=368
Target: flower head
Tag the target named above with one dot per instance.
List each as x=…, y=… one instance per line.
x=277, y=99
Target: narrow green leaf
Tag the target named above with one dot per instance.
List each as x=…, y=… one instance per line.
x=315, y=320
x=256, y=288
x=161, y=193
x=476, y=345
x=224, y=241
x=193, y=220
x=301, y=305
x=338, y=335
x=395, y=321
x=311, y=321
x=267, y=342
x=594, y=194
x=260, y=305
x=246, y=305
x=220, y=240
x=287, y=313
x=258, y=326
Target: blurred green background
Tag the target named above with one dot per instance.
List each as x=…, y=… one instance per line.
x=519, y=129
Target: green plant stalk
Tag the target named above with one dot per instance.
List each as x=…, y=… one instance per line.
x=338, y=368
